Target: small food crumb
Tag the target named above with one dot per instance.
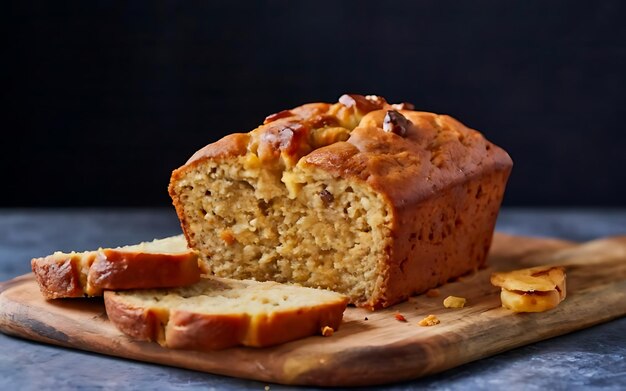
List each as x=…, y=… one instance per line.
x=454, y=302
x=267, y=388
x=430, y=320
x=366, y=318
x=327, y=331
x=432, y=293
x=327, y=197
x=400, y=317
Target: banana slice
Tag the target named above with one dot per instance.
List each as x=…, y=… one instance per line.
x=536, y=289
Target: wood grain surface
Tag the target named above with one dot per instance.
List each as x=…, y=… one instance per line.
x=378, y=350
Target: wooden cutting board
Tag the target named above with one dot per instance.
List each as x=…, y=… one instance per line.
x=369, y=348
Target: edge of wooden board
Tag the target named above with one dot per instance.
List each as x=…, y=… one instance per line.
x=404, y=359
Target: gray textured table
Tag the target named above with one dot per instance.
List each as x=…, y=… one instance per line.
x=590, y=359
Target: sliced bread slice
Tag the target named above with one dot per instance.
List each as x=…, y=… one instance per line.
x=218, y=313
x=161, y=263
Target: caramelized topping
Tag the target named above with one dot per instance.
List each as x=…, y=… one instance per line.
x=377, y=100
x=288, y=135
x=275, y=116
x=320, y=121
x=403, y=106
x=285, y=139
x=361, y=103
x=395, y=122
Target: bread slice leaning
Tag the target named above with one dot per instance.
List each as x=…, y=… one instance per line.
x=161, y=263
x=218, y=313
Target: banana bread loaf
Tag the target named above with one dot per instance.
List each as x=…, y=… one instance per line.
x=372, y=200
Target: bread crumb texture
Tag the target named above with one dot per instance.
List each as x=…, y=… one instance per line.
x=454, y=302
x=327, y=331
x=430, y=320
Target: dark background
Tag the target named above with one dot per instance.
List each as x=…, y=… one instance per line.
x=103, y=99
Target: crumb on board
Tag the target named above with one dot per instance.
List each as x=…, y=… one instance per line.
x=430, y=320
x=432, y=293
x=327, y=331
x=454, y=302
x=366, y=318
x=400, y=317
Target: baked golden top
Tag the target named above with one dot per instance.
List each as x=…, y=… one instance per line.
x=407, y=155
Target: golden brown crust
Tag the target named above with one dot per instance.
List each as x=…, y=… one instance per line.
x=136, y=322
x=231, y=145
x=440, y=238
x=287, y=326
x=437, y=152
x=60, y=276
x=89, y=273
x=194, y=331
x=113, y=269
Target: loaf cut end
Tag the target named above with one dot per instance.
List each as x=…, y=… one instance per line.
x=300, y=226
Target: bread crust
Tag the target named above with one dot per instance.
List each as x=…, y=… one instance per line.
x=439, y=173
x=60, y=277
x=185, y=329
x=136, y=322
x=114, y=269
x=89, y=273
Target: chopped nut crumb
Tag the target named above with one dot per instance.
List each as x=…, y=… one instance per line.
x=227, y=236
x=432, y=293
x=400, y=317
x=454, y=302
x=396, y=123
x=327, y=197
x=275, y=116
x=327, y=331
x=430, y=320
